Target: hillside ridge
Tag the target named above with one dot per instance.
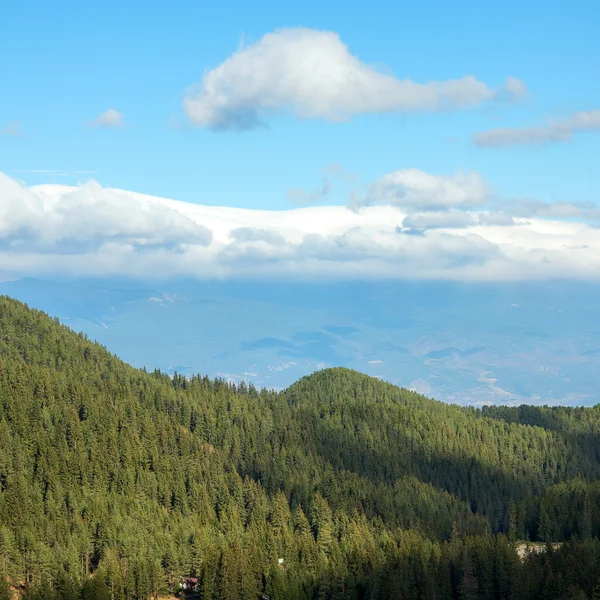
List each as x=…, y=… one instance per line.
x=141, y=478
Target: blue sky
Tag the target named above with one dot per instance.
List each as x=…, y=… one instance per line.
x=65, y=63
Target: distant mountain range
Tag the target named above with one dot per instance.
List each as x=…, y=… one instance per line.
x=466, y=343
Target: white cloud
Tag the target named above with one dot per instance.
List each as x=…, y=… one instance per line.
x=559, y=130
x=495, y=218
x=313, y=74
x=12, y=129
x=75, y=220
x=109, y=118
x=414, y=189
x=454, y=219
x=90, y=230
x=253, y=234
x=582, y=211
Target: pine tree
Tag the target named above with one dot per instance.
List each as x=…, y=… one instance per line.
x=469, y=585
x=596, y=592
x=512, y=523
x=5, y=591
x=322, y=522
x=586, y=519
x=95, y=589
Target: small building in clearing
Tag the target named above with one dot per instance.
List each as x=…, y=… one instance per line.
x=188, y=584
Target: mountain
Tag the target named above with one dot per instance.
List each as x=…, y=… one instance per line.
x=466, y=343
x=341, y=486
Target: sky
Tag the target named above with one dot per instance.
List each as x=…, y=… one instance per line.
x=478, y=123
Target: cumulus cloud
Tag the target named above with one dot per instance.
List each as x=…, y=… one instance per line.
x=558, y=130
x=91, y=230
x=109, y=118
x=414, y=189
x=12, y=129
x=75, y=220
x=313, y=74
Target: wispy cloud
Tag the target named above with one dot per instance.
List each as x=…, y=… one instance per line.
x=514, y=90
x=302, y=198
x=12, y=129
x=63, y=172
x=336, y=170
x=313, y=74
x=559, y=130
x=333, y=171
x=109, y=119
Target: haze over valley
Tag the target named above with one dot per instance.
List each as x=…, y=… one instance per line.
x=465, y=343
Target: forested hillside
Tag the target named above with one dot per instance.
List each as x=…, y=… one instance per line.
x=118, y=482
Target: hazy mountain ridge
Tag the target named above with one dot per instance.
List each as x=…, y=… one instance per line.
x=471, y=344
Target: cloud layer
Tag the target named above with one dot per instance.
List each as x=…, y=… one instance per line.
x=312, y=74
x=90, y=230
x=560, y=130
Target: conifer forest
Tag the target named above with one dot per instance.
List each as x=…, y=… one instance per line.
x=122, y=484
